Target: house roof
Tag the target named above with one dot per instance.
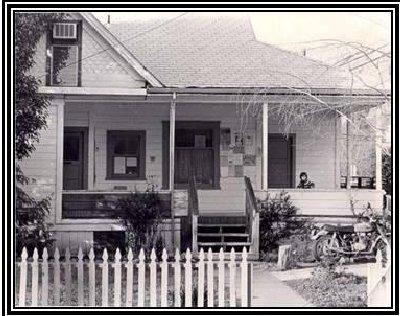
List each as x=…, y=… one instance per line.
x=218, y=50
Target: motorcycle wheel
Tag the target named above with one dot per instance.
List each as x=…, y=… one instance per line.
x=320, y=249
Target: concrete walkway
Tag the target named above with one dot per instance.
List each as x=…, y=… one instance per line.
x=269, y=291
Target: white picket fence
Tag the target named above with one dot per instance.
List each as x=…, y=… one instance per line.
x=165, y=285
x=379, y=280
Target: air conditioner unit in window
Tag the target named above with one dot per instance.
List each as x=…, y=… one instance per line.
x=64, y=30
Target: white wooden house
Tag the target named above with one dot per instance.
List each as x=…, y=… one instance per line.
x=137, y=100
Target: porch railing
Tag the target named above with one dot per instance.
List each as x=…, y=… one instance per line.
x=253, y=217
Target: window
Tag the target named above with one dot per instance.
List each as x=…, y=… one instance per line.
x=64, y=52
x=126, y=155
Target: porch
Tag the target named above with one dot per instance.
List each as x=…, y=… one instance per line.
x=166, y=142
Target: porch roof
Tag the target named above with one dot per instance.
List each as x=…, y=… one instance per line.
x=215, y=50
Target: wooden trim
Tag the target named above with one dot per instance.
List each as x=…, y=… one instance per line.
x=60, y=156
x=213, y=125
x=142, y=155
x=265, y=147
x=85, y=154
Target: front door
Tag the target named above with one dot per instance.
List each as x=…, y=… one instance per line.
x=74, y=159
x=280, y=161
x=196, y=153
x=194, y=156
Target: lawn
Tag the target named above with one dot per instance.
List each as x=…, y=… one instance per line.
x=327, y=288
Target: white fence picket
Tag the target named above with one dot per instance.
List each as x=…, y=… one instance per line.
x=232, y=279
x=141, y=279
x=177, y=281
x=204, y=282
x=221, y=278
x=164, y=279
x=129, y=279
x=153, y=279
x=200, y=282
x=35, y=278
x=188, y=279
x=67, y=269
x=210, y=279
x=104, y=280
x=45, y=277
x=23, y=276
x=80, y=278
x=56, y=277
x=244, y=277
x=92, y=278
x=117, y=278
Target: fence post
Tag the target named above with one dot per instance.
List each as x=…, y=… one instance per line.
x=153, y=279
x=23, y=275
x=56, y=277
x=188, y=279
x=164, y=278
x=67, y=269
x=177, y=281
x=80, y=278
x=104, y=279
x=92, y=279
x=200, y=283
x=232, y=279
x=117, y=278
x=221, y=278
x=210, y=279
x=141, y=278
x=244, y=278
x=45, y=277
x=129, y=279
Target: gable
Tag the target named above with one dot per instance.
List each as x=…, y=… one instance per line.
x=101, y=66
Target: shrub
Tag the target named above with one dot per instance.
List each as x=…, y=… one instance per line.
x=278, y=220
x=141, y=214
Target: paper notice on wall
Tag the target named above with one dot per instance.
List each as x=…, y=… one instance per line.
x=119, y=165
x=131, y=162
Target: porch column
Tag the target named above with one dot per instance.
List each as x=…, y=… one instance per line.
x=265, y=147
x=349, y=152
x=60, y=104
x=172, y=163
x=378, y=149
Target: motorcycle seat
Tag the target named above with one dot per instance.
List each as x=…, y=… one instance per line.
x=339, y=228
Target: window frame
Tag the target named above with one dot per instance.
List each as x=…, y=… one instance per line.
x=111, y=134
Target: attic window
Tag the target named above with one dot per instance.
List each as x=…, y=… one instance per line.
x=65, y=30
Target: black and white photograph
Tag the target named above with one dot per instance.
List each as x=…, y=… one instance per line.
x=198, y=158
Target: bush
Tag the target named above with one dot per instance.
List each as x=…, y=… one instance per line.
x=278, y=221
x=387, y=172
x=142, y=214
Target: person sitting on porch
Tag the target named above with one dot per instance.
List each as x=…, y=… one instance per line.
x=304, y=182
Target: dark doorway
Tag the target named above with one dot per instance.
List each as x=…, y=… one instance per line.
x=196, y=153
x=75, y=158
x=280, y=161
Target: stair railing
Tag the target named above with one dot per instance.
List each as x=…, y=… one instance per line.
x=253, y=220
x=193, y=211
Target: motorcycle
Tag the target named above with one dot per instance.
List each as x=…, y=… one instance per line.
x=359, y=240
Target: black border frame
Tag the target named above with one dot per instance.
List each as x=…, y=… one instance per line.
x=9, y=167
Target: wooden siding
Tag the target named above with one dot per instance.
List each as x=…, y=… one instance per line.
x=105, y=69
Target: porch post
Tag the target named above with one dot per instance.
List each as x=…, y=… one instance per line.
x=265, y=147
x=172, y=163
x=349, y=153
x=378, y=150
x=60, y=103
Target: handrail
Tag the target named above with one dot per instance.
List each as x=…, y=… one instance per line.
x=252, y=212
x=193, y=210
